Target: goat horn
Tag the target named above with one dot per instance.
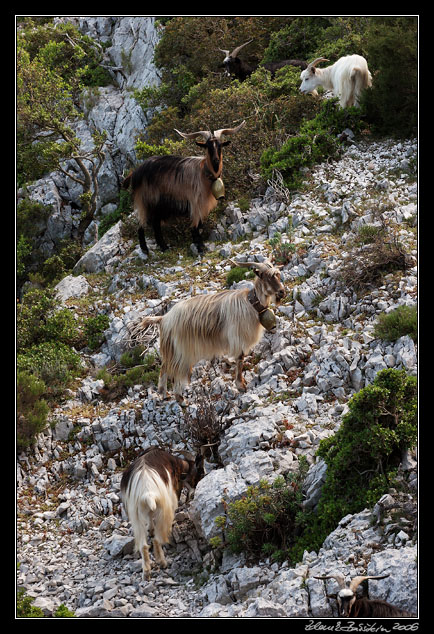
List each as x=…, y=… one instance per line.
x=339, y=578
x=246, y=264
x=238, y=48
x=356, y=581
x=317, y=61
x=225, y=51
x=218, y=133
x=192, y=135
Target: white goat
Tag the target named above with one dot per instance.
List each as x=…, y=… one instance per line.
x=150, y=490
x=209, y=325
x=346, y=78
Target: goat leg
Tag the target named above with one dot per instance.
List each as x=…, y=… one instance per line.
x=142, y=240
x=156, y=226
x=239, y=379
x=146, y=562
x=159, y=554
x=197, y=237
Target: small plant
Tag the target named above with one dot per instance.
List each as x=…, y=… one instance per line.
x=63, y=612
x=32, y=410
x=132, y=370
x=25, y=609
x=399, y=322
x=363, y=456
x=282, y=251
x=269, y=519
x=237, y=274
x=94, y=330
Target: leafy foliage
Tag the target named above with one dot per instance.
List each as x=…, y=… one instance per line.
x=32, y=410
x=133, y=369
x=364, y=454
x=392, y=49
x=94, y=330
x=362, y=458
x=268, y=519
x=399, y=322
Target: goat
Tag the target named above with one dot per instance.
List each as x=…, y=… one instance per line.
x=165, y=186
x=241, y=69
x=208, y=325
x=150, y=490
x=352, y=606
x=346, y=78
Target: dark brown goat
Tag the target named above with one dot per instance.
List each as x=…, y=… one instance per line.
x=241, y=70
x=350, y=605
x=150, y=490
x=166, y=186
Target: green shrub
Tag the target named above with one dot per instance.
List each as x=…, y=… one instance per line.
x=53, y=362
x=94, y=330
x=392, y=105
x=37, y=321
x=32, y=313
x=53, y=269
x=362, y=457
x=63, y=612
x=32, y=411
x=135, y=370
x=25, y=609
x=237, y=274
x=268, y=520
x=399, y=322
x=316, y=141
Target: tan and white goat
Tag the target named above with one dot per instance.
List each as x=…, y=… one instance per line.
x=205, y=326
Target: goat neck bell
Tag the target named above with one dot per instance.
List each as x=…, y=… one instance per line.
x=218, y=189
x=267, y=319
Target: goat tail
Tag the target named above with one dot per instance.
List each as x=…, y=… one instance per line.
x=361, y=78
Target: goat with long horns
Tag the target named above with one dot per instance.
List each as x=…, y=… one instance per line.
x=166, y=186
x=352, y=606
x=241, y=69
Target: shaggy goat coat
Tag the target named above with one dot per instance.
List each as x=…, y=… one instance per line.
x=183, y=342
x=157, y=185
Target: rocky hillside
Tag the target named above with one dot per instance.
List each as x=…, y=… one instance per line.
x=75, y=545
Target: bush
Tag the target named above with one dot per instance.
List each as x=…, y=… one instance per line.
x=37, y=322
x=268, y=520
x=317, y=141
x=237, y=274
x=25, y=609
x=363, y=456
x=134, y=370
x=392, y=103
x=52, y=362
x=32, y=411
x=94, y=330
x=399, y=322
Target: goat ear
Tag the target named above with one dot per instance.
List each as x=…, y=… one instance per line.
x=225, y=143
x=200, y=144
x=332, y=596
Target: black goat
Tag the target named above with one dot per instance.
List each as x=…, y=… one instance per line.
x=165, y=186
x=241, y=70
x=350, y=605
